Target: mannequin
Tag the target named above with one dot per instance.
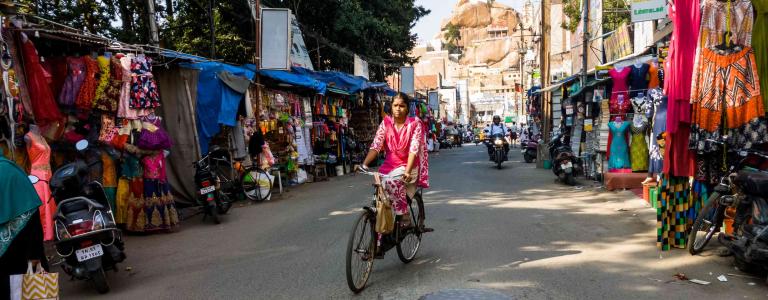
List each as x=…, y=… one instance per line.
x=619, y=95
x=638, y=79
x=619, y=155
x=40, y=156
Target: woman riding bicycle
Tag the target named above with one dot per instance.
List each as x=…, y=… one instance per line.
x=402, y=139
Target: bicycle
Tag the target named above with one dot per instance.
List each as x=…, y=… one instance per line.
x=251, y=181
x=363, y=249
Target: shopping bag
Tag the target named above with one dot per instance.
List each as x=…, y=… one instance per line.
x=385, y=216
x=39, y=284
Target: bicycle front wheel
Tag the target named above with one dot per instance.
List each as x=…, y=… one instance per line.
x=256, y=184
x=411, y=241
x=361, y=252
x=706, y=224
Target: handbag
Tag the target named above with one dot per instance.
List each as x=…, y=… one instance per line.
x=35, y=285
x=385, y=216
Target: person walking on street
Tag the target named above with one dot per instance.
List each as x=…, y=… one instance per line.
x=21, y=232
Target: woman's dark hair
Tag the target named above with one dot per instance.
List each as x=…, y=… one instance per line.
x=404, y=97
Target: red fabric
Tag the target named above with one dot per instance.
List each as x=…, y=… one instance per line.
x=57, y=66
x=620, y=87
x=678, y=159
x=88, y=89
x=43, y=104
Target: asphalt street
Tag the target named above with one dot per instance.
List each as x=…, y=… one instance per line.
x=514, y=231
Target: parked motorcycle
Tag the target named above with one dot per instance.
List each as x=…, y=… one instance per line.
x=529, y=149
x=213, y=185
x=564, y=162
x=499, y=153
x=445, y=143
x=745, y=188
x=87, y=237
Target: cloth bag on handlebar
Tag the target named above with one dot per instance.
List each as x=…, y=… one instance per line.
x=385, y=216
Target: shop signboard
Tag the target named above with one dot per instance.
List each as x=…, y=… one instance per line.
x=434, y=101
x=299, y=53
x=618, y=44
x=406, y=80
x=361, y=67
x=276, y=40
x=647, y=10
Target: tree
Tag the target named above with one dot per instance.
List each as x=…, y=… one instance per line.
x=378, y=30
x=615, y=13
x=452, y=36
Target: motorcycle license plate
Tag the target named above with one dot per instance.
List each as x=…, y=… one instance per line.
x=206, y=190
x=89, y=252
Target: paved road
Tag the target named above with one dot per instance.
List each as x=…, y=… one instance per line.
x=513, y=231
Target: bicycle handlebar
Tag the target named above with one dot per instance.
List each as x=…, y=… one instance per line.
x=371, y=173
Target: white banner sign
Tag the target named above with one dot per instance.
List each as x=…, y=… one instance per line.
x=276, y=38
x=646, y=10
x=361, y=67
x=406, y=80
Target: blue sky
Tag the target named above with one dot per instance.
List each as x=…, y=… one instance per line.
x=428, y=26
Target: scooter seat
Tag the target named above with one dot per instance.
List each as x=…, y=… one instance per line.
x=753, y=182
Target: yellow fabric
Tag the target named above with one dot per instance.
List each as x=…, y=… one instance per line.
x=123, y=192
x=104, y=77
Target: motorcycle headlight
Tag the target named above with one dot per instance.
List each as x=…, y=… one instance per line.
x=498, y=142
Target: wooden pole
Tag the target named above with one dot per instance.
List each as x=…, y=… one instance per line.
x=546, y=106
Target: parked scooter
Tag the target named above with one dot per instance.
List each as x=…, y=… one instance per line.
x=529, y=149
x=214, y=188
x=564, y=162
x=86, y=234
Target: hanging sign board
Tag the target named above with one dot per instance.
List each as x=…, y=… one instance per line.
x=276, y=40
x=434, y=101
x=646, y=10
x=361, y=67
x=406, y=80
x=299, y=53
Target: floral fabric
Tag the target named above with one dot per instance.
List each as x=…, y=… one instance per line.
x=144, y=92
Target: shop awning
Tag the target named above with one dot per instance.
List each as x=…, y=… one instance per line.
x=558, y=84
x=337, y=80
x=292, y=78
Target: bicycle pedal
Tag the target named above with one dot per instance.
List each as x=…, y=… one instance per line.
x=427, y=229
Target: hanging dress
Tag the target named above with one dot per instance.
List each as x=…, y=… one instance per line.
x=619, y=101
x=638, y=80
x=760, y=44
x=124, y=106
x=686, y=19
x=43, y=103
x=659, y=117
x=639, y=147
x=109, y=100
x=75, y=78
x=104, y=79
x=619, y=158
x=40, y=157
x=144, y=92
x=87, y=91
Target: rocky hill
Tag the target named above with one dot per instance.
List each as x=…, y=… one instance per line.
x=484, y=33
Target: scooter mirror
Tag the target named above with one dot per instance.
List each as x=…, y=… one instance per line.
x=81, y=145
x=33, y=179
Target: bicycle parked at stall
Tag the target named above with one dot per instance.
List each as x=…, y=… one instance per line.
x=365, y=244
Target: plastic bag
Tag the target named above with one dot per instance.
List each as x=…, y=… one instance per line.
x=301, y=176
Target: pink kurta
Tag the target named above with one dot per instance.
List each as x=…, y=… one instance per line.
x=398, y=144
x=40, y=156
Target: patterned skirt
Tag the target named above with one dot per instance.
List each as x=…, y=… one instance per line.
x=678, y=205
x=150, y=206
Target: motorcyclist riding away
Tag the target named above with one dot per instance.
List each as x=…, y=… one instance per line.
x=496, y=128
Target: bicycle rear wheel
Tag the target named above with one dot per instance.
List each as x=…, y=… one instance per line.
x=256, y=184
x=361, y=252
x=411, y=240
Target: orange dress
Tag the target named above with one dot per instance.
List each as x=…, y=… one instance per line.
x=40, y=157
x=87, y=92
x=653, y=73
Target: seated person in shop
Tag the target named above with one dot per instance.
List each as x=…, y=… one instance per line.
x=496, y=128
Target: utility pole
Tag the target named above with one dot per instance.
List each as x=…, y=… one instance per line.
x=585, y=42
x=154, y=38
x=212, y=28
x=546, y=107
x=522, y=50
x=257, y=56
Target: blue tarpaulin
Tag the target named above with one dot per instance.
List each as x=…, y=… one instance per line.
x=292, y=78
x=337, y=80
x=217, y=103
